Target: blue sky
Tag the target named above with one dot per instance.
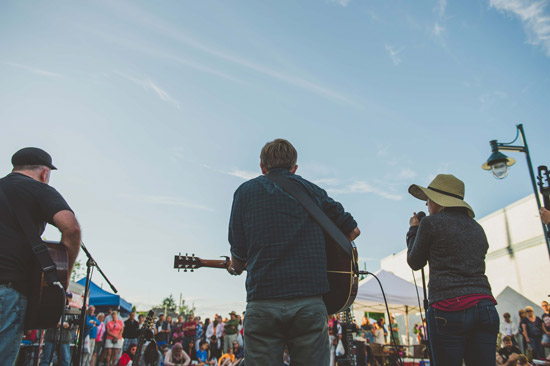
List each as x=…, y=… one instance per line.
x=155, y=112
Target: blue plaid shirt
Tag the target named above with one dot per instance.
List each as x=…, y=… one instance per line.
x=283, y=247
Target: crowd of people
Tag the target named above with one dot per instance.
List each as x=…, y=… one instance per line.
x=180, y=341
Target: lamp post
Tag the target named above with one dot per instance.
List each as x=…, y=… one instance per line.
x=499, y=163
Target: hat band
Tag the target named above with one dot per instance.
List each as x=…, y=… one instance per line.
x=446, y=193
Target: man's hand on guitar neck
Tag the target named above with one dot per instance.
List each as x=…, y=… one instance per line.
x=545, y=215
x=235, y=267
x=354, y=234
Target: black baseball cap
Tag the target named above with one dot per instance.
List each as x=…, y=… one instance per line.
x=32, y=156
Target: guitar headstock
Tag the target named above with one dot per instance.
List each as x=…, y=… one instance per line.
x=544, y=180
x=187, y=262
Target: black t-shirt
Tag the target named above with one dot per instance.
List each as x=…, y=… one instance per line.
x=42, y=202
x=505, y=352
x=534, y=329
x=131, y=328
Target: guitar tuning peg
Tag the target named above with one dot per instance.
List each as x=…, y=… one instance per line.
x=185, y=270
x=192, y=270
x=186, y=254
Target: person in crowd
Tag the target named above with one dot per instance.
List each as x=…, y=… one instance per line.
x=151, y=355
x=213, y=336
x=108, y=316
x=523, y=361
x=141, y=320
x=25, y=194
x=523, y=342
x=509, y=328
x=532, y=331
x=176, y=356
x=91, y=333
x=395, y=329
x=545, y=342
x=128, y=355
x=99, y=339
x=231, y=330
x=366, y=327
x=545, y=307
x=113, y=339
x=130, y=333
x=191, y=350
x=545, y=215
x=227, y=358
x=57, y=339
x=379, y=332
x=455, y=246
x=268, y=228
x=162, y=331
x=189, y=328
x=203, y=355
x=507, y=355
x=238, y=352
x=177, y=331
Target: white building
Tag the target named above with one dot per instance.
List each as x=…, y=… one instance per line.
x=517, y=255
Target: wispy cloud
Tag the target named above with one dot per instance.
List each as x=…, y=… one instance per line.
x=534, y=16
x=166, y=200
x=147, y=20
x=441, y=7
x=344, y=3
x=487, y=100
x=35, y=70
x=148, y=84
x=394, y=54
x=364, y=187
x=407, y=173
x=243, y=174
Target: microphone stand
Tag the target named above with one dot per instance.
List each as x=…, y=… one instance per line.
x=426, y=304
x=90, y=263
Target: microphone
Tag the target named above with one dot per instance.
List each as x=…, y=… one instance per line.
x=420, y=215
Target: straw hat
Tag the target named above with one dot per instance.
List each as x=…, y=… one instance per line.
x=446, y=190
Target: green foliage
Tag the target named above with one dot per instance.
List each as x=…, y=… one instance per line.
x=79, y=271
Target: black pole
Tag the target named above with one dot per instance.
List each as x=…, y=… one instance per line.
x=90, y=263
x=426, y=304
x=534, y=183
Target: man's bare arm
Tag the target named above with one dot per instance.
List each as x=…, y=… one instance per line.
x=354, y=234
x=66, y=222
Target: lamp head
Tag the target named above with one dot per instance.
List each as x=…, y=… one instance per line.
x=498, y=164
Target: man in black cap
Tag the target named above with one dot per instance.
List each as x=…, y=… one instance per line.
x=26, y=188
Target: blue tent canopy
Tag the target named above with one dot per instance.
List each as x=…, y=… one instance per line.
x=101, y=298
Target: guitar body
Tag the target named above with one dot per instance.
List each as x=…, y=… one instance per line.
x=45, y=303
x=342, y=278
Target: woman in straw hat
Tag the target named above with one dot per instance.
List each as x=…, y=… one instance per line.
x=462, y=320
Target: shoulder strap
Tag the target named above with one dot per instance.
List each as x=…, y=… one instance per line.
x=39, y=248
x=296, y=190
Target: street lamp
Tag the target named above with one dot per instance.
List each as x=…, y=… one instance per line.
x=499, y=163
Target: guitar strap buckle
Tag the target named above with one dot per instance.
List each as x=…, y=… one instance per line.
x=39, y=248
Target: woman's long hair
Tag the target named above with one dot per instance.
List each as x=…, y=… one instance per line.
x=151, y=354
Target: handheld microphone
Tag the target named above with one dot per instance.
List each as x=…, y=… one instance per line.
x=420, y=215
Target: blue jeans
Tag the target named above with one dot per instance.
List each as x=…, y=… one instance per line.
x=48, y=351
x=13, y=307
x=469, y=335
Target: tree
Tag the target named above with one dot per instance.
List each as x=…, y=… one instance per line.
x=169, y=303
x=79, y=271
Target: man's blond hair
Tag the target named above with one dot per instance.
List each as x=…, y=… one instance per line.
x=278, y=153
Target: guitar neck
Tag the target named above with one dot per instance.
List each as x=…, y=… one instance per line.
x=214, y=263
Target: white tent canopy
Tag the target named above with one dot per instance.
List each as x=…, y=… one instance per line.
x=400, y=294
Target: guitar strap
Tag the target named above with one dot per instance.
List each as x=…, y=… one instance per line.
x=38, y=247
x=297, y=191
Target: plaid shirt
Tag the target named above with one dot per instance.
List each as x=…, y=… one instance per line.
x=283, y=247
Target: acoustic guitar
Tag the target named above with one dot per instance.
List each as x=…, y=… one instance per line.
x=45, y=303
x=341, y=273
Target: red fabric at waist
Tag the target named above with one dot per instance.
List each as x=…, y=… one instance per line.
x=462, y=302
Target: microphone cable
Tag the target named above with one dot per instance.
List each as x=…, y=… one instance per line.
x=392, y=336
